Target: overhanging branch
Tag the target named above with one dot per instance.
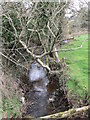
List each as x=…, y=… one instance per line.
x=37, y=58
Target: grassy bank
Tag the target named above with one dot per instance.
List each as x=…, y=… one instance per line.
x=77, y=62
x=10, y=95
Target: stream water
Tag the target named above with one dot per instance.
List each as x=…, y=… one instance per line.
x=45, y=96
x=39, y=95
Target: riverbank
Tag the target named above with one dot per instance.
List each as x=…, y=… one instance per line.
x=77, y=61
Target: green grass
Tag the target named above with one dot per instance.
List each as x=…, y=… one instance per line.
x=10, y=107
x=77, y=62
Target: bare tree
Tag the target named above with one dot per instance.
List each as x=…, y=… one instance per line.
x=32, y=31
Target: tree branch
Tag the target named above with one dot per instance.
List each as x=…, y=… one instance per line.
x=28, y=51
x=59, y=11
x=61, y=50
x=34, y=56
x=18, y=64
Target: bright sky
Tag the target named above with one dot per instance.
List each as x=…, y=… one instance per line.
x=76, y=5
x=76, y=2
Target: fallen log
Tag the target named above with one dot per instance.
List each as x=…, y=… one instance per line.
x=67, y=114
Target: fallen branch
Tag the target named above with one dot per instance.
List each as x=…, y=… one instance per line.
x=66, y=114
x=43, y=65
x=71, y=49
x=34, y=56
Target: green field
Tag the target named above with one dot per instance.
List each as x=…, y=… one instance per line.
x=77, y=62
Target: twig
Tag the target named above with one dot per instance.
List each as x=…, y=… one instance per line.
x=62, y=50
x=10, y=20
x=59, y=11
x=23, y=57
x=18, y=64
x=50, y=30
